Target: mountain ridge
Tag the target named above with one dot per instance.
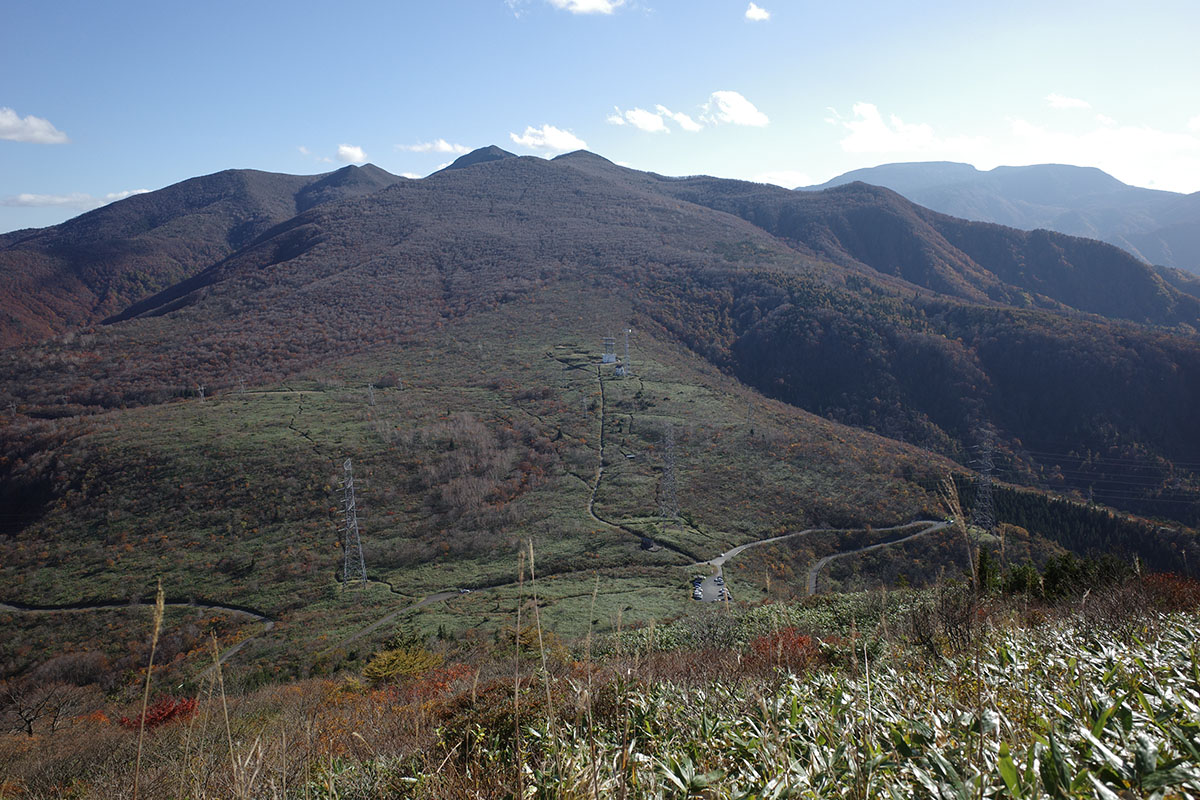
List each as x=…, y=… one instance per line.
x=93, y=266
x=1157, y=226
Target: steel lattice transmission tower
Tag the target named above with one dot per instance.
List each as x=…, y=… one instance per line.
x=983, y=514
x=355, y=567
x=623, y=367
x=668, y=501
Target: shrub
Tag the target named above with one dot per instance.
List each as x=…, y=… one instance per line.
x=785, y=648
x=164, y=710
x=393, y=666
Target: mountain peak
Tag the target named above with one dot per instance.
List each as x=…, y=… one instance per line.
x=480, y=156
x=581, y=155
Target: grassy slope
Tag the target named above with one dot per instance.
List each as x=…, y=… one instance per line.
x=234, y=498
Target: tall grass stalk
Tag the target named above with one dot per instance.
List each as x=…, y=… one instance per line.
x=185, y=766
x=520, y=762
x=591, y=721
x=159, y=605
x=537, y=617
x=225, y=711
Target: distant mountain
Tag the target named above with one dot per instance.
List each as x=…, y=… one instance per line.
x=853, y=303
x=92, y=266
x=869, y=228
x=1160, y=227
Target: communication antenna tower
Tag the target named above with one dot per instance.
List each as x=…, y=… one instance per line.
x=668, y=501
x=610, y=351
x=355, y=568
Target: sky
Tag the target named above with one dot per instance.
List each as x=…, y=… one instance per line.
x=102, y=100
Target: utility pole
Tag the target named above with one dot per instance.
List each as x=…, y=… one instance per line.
x=355, y=568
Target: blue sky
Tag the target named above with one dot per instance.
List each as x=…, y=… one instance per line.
x=101, y=99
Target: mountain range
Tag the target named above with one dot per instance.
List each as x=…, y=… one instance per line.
x=1157, y=226
x=190, y=373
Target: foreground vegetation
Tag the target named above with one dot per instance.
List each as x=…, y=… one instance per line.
x=947, y=692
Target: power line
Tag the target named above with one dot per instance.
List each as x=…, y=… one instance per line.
x=1097, y=458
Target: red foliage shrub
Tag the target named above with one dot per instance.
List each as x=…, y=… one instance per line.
x=1172, y=592
x=164, y=710
x=786, y=647
x=436, y=683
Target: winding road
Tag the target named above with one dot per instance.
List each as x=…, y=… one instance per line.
x=811, y=584
x=711, y=589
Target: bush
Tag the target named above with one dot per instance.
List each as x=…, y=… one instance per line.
x=164, y=710
x=393, y=666
x=786, y=648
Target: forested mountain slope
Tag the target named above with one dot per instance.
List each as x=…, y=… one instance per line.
x=77, y=273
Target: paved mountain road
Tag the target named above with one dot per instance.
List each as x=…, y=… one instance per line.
x=711, y=590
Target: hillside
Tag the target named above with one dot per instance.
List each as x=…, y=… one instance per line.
x=75, y=274
x=1160, y=227
x=795, y=365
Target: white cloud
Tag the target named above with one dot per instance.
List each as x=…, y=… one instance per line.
x=645, y=120
x=412, y=175
x=304, y=151
x=588, y=6
x=351, y=154
x=1055, y=100
x=681, y=119
x=28, y=129
x=731, y=107
x=787, y=178
x=869, y=132
x=652, y=121
x=1104, y=119
x=76, y=200
x=1193, y=124
x=549, y=138
x=436, y=146
x=755, y=13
